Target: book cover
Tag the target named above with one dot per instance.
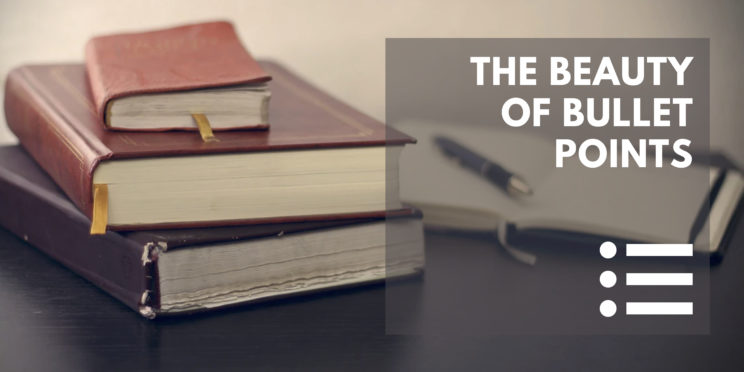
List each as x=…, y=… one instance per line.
x=203, y=55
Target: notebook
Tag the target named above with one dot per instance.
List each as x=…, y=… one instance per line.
x=155, y=80
x=653, y=205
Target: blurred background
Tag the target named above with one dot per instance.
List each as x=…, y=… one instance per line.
x=340, y=45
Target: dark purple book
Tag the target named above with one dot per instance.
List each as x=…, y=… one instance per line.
x=164, y=272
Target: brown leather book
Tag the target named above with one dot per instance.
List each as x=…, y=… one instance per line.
x=321, y=158
x=163, y=272
x=155, y=80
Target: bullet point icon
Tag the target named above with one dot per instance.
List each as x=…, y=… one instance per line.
x=608, y=279
x=608, y=250
x=607, y=308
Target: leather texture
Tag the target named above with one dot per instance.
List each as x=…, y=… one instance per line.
x=34, y=209
x=204, y=55
x=51, y=110
x=122, y=264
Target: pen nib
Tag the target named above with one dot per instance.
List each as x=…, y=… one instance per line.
x=518, y=187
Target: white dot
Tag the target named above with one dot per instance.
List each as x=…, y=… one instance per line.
x=607, y=279
x=607, y=308
x=608, y=249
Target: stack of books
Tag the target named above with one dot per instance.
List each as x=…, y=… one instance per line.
x=159, y=171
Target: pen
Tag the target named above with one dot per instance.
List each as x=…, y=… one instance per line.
x=508, y=181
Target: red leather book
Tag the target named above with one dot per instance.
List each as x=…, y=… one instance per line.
x=133, y=266
x=186, y=58
x=52, y=112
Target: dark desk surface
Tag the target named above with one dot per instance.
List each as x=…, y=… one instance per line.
x=51, y=319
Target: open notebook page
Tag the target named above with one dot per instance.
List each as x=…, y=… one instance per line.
x=452, y=196
x=645, y=204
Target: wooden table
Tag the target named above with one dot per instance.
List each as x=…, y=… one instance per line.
x=51, y=319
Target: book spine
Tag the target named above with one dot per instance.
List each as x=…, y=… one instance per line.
x=113, y=263
x=45, y=133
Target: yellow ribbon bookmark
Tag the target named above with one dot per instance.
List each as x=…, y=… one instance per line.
x=204, y=128
x=100, y=210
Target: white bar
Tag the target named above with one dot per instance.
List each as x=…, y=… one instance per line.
x=658, y=308
x=651, y=250
x=658, y=279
